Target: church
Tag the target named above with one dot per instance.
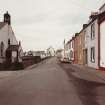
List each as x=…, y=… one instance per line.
x=10, y=49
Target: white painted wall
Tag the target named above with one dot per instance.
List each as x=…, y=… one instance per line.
x=102, y=44
x=62, y=54
x=6, y=33
x=72, y=49
x=67, y=51
x=92, y=43
x=67, y=54
x=12, y=36
x=51, y=51
x=14, y=55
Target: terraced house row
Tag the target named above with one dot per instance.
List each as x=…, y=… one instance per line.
x=88, y=46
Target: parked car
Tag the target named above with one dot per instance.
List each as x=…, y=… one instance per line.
x=64, y=60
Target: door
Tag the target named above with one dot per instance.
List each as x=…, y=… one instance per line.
x=86, y=56
x=8, y=56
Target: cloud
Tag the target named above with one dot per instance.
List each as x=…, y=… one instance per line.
x=42, y=23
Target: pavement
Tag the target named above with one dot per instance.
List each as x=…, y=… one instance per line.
x=90, y=73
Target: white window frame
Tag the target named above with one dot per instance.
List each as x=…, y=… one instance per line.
x=93, y=31
x=92, y=54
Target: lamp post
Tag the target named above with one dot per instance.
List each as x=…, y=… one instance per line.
x=64, y=47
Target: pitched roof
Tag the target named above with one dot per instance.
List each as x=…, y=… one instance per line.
x=102, y=6
x=2, y=24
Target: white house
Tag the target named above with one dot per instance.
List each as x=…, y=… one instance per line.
x=102, y=37
x=50, y=51
x=95, y=40
x=10, y=49
x=42, y=54
x=72, y=49
x=91, y=41
x=59, y=53
x=67, y=50
x=102, y=44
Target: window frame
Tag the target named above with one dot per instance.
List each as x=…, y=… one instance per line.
x=92, y=31
x=92, y=54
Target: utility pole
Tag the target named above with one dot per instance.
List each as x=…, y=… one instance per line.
x=64, y=47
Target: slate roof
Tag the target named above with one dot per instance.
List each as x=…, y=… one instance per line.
x=2, y=24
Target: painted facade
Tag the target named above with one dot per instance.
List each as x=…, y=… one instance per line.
x=80, y=47
x=50, y=51
x=102, y=40
x=10, y=49
x=72, y=49
x=88, y=46
x=76, y=48
x=91, y=44
x=67, y=50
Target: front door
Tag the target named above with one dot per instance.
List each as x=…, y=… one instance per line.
x=8, y=56
x=86, y=56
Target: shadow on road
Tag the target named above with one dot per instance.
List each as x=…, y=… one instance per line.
x=89, y=92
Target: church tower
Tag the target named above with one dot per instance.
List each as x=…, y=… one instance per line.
x=7, y=18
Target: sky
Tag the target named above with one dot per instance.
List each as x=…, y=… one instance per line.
x=39, y=24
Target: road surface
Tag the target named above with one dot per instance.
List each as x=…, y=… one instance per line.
x=49, y=83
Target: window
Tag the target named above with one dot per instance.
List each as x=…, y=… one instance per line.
x=72, y=44
x=8, y=42
x=92, y=31
x=2, y=49
x=71, y=54
x=85, y=36
x=93, y=54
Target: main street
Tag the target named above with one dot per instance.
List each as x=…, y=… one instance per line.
x=50, y=83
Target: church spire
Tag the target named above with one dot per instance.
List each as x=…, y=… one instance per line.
x=7, y=18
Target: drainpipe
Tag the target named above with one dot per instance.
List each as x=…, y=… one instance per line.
x=17, y=56
x=98, y=44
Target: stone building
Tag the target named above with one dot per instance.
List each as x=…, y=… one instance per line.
x=10, y=49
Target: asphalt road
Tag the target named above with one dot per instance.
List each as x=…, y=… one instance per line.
x=50, y=83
